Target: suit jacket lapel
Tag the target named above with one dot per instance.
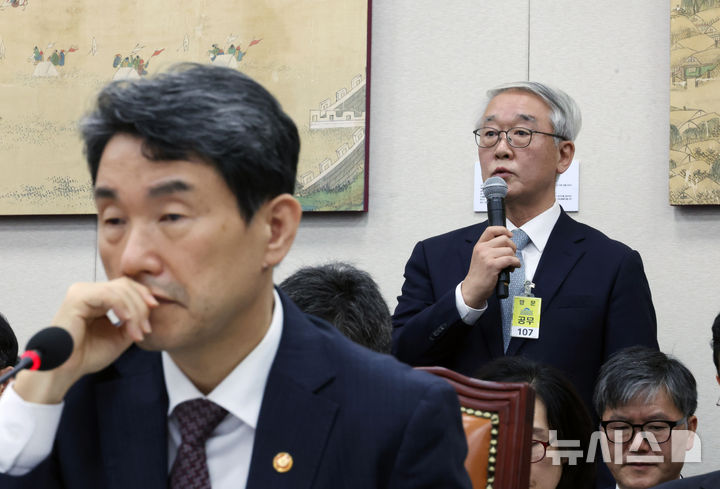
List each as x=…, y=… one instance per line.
x=558, y=259
x=490, y=322
x=293, y=417
x=132, y=409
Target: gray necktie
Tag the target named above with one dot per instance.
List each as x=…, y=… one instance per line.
x=517, y=282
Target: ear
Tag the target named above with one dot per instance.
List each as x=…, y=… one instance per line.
x=692, y=428
x=566, y=150
x=283, y=215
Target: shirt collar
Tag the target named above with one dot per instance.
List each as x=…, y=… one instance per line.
x=241, y=392
x=539, y=227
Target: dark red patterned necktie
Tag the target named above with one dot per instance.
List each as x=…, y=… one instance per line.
x=197, y=419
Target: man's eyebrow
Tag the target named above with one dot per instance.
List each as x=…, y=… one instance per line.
x=165, y=188
x=656, y=416
x=104, y=193
x=171, y=187
x=525, y=117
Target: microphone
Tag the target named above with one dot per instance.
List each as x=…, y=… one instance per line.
x=47, y=349
x=495, y=190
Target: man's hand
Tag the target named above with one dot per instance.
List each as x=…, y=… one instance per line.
x=97, y=342
x=493, y=252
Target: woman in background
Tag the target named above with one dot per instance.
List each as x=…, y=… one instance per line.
x=558, y=407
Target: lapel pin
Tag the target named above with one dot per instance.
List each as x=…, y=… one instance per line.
x=282, y=462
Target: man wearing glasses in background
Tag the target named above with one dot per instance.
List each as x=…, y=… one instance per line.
x=646, y=401
x=595, y=298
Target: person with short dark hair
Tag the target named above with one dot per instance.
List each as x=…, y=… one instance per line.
x=646, y=401
x=190, y=369
x=560, y=414
x=347, y=298
x=8, y=349
x=711, y=480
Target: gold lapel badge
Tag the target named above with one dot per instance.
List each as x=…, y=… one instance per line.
x=282, y=462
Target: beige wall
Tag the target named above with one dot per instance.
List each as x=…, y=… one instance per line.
x=432, y=61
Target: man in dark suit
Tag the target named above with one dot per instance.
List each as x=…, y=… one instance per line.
x=646, y=401
x=710, y=480
x=594, y=294
x=189, y=368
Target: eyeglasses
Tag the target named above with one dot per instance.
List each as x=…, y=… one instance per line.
x=623, y=432
x=517, y=137
x=537, y=450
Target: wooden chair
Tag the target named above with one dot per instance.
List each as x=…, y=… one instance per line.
x=497, y=418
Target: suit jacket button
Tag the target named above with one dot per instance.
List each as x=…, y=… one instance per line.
x=438, y=331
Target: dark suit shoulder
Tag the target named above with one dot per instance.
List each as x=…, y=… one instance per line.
x=710, y=480
x=383, y=373
x=471, y=233
x=404, y=424
x=578, y=231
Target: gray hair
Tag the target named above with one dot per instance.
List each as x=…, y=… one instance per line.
x=641, y=373
x=564, y=112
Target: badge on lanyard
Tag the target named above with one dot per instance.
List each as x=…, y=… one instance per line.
x=526, y=314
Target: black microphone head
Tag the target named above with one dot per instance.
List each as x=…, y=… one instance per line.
x=54, y=344
x=495, y=187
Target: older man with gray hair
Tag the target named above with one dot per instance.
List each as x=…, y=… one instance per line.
x=646, y=401
x=590, y=293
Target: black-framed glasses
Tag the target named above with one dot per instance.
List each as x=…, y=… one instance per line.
x=623, y=432
x=537, y=450
x=517, y=137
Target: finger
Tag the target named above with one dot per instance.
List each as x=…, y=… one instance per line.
x=144, y=292
x=149, y=301
x=493, y=232
x=508, y=262
x=93, y=302
x=131, y=308
x=502, y=242
x=501, y=261
x=123, y=315
x=144, y=302
x=500, y=246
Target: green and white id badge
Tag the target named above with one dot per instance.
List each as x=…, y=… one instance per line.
x=526, y=314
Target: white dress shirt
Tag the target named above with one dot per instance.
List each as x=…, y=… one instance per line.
x=27, y=430
x=538, y=230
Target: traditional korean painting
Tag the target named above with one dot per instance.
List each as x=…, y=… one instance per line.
x=694, y=102
x=55, y=56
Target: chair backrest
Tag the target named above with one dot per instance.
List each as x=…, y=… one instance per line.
x=498, y=419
